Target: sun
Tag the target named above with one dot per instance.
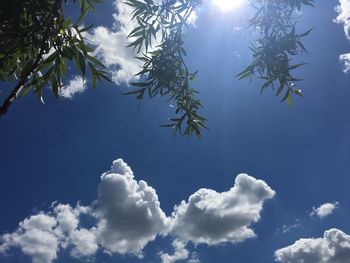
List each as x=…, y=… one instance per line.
x=228, y=5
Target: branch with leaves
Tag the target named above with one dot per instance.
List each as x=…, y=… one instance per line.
x=37, y=42
x=165, y=73
x=164, y=70
x=278, y=43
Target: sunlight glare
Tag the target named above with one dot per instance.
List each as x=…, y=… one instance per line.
x=228, y=5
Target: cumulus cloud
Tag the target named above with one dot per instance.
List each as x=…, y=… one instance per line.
x=74, y=86
x=324, y=210
x=127, y=216
x=334, y=247
x=41, y=236
x=210, y=217
x=35, y=238
x=343, y=17
x=129, y=211
x=84, y=242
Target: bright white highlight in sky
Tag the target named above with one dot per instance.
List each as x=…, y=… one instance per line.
x=228, y=5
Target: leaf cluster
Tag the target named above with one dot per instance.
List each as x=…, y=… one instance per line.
x=164, y=71
x=37, y=42
x=277, y=45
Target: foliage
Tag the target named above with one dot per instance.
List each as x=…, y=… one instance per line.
x=164, y=70
x=37, y=41
x=279, y=41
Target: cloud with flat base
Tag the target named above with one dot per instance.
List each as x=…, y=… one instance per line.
x=127, y=216
x=333, y=247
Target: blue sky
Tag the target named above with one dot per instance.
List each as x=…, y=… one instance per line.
x=297, y=159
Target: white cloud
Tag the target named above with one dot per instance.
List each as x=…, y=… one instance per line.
x=324, y=210
x=74, y=86
x=111, y=44
x=84, y=242
x=287, y=228
x=41, y=236
x=67, y=218
x=180, y=252
x=111, y=47
x=129, y=211
x=194, y=258
x=345, y=58
x=334, y=247
x=343, y=17
x=35, y=238
x=127, y=216
x=211, y=217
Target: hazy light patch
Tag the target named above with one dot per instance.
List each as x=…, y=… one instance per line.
x=228, y=5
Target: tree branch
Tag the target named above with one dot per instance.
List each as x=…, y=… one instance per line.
x=20, y=85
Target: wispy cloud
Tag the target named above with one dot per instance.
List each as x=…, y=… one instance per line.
x=324, y=209
x=345, y=58
x=180, y=252
x=343, y=17
x=334, y=247
x=194, y=258
x=74, y=86
x=287, y=228
x=127, y=216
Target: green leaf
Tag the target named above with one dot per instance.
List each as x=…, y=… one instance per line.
x=297, y=66
x=289, y=100
x=27, y=68
x=140, y=84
